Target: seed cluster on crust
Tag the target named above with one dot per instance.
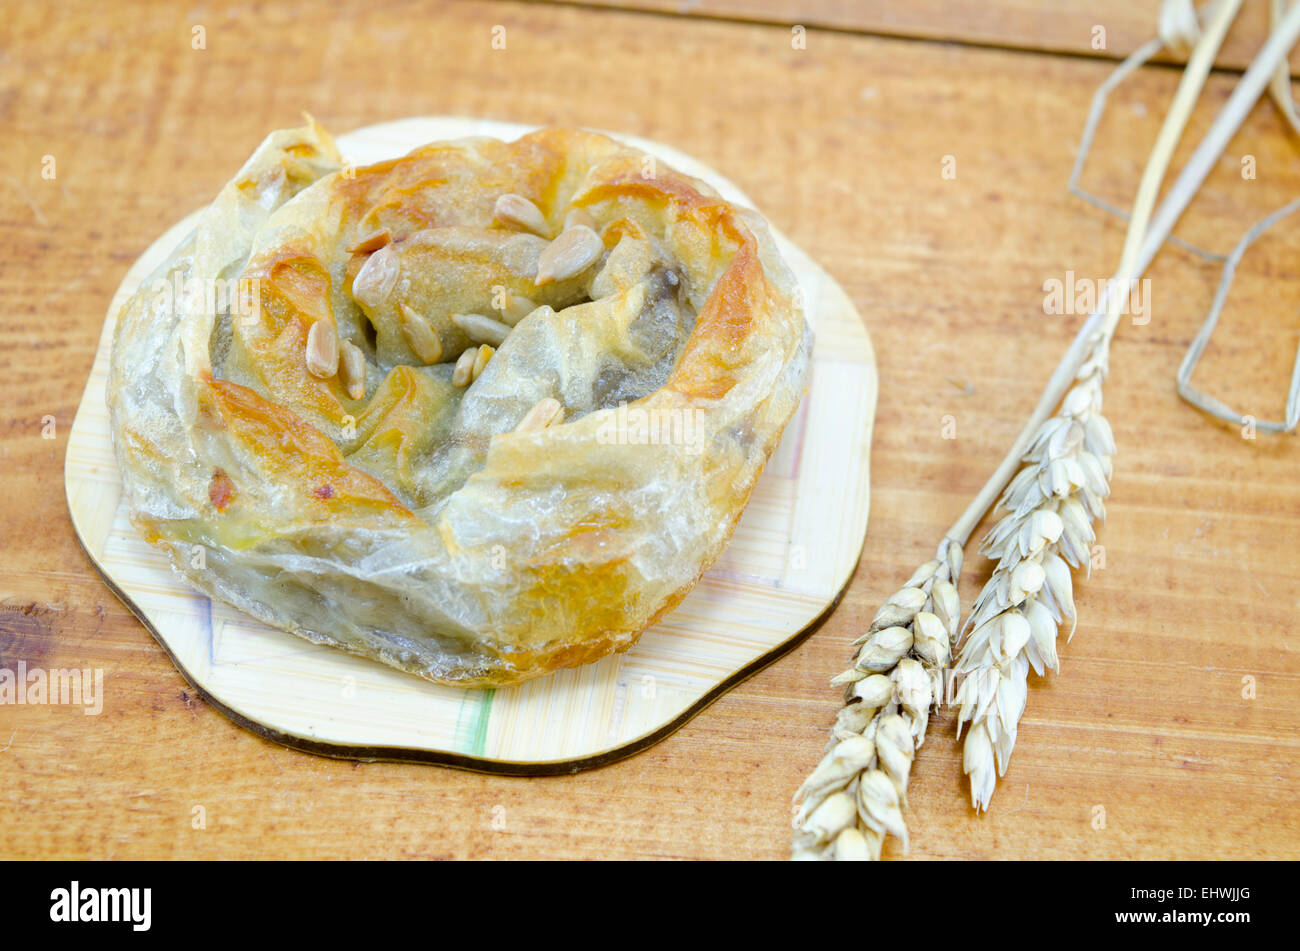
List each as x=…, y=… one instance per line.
x=573, y=251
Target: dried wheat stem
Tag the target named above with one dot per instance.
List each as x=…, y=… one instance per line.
x=1051, y=505
x=1103, y=320
x=1055, y=498
x=856, y=795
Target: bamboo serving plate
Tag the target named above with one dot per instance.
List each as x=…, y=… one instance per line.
x=792, y=555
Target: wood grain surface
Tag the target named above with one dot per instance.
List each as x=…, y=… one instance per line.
x=1063, y=26
x=842, y=144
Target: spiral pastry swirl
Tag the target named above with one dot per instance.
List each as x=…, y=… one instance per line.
x=479, y=412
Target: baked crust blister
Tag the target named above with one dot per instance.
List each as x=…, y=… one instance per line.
x=480, y=412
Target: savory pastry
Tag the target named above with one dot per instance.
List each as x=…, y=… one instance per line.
x=480, y=412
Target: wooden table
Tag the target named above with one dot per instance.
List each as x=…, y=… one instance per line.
x=842, y=145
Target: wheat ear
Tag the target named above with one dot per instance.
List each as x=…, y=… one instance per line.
x=846, y=810
x=857, y=794
x=1056, y=497
x=1051, y=504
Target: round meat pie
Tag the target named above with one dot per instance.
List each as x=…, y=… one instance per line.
x=478, y=413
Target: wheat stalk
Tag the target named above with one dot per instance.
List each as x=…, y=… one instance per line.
x=1052, y=504
x=856, y=795
x=1054, y=499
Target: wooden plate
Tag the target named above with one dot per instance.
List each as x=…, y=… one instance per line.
x=789, y=561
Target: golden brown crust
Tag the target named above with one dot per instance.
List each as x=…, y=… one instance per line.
x=413, y=525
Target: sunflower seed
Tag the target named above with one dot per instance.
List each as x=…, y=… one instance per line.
x=353, y=369
x=482, y=329
x=627, y=263
x=547, y=412
x=515, y=308
x=517, y=211
x=568, y=255
x=374, y=282
x=420, y=337
x=481, y=358
x=463, y=374
x=322, y=350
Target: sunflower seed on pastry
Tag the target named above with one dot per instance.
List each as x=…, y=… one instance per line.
x=517, y=211
x=481, y=358
x=352, y=369
x=568, y=255
x=482, y=329
x=546, y=412
x=515, y=308
x=419, y=336
x=463, y=374
x=322, y=350
x=374, y=282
